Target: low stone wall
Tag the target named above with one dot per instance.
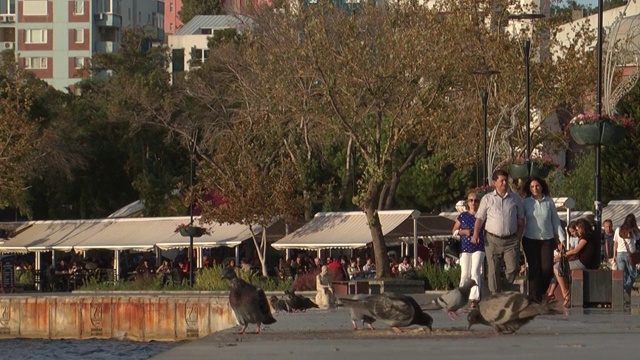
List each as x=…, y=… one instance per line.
x=399, y=286
x=132, y=316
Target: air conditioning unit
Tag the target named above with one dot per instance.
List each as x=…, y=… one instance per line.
x=6, y=45
x=4, y=19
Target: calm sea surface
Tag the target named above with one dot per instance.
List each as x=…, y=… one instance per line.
x=81, y=349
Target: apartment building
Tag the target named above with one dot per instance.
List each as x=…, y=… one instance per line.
x=56, y=38
x=172, y=22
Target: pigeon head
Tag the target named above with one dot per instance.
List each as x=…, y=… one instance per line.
x=475, y=317
x=228, y=273
x=424, y=319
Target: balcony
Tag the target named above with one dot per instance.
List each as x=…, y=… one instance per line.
x=7, y=45
x=108, y=20
x=106, y=46
x=7, y=19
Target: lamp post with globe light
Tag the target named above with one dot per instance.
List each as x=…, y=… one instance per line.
x=526, y=48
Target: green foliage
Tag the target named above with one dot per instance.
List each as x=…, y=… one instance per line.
x=25, y=279
x=192, y=8
x=432, y=186
x=437, y=278
x=208, y=279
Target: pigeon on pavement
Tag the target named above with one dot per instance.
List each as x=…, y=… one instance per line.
x=453, y=300
x=508, y=311
x=298, y=302
x=395, y=310
x=249, y=304
x=278, y=305
x=359, y=312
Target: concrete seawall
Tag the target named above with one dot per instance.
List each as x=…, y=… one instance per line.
x=131, y=316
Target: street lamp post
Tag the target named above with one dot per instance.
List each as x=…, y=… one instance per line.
x=526, y=49
x=485, y=100
x=598, y=202
x=192, y=153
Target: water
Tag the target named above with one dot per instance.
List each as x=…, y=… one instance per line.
x=31, y=349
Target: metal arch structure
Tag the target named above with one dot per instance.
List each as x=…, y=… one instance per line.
x=500, y=146
x=622, y=49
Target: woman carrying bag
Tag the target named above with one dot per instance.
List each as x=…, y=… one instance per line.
x=624, y=246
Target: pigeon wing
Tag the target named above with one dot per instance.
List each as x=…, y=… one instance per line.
x=392, y=309
x=452, y=301
x=503, y=307
x=263, y=307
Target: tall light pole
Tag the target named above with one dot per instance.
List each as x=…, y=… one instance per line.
x=526, y=49
x=485, y=100
x=192, y=154
x=598, y=202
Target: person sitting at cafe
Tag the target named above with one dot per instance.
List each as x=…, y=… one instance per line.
x=62, y=267
x=145, y=269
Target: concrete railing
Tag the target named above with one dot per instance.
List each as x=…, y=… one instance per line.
x=132, y=316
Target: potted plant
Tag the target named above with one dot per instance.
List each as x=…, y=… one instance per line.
x=541, y=165
x=518, y=168
x=190, y=230
x=594, y=129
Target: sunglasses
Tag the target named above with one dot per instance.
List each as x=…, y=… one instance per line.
x=472, y=200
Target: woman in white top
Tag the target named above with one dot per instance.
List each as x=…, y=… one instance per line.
x=624, y=241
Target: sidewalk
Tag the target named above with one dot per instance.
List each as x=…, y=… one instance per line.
x=318, y=334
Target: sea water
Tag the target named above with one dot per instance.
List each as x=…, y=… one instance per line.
x=27, y=349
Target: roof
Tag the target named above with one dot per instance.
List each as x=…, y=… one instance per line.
x=213, y=22
x=342, y=230
x=617, y=210
x=122, y=234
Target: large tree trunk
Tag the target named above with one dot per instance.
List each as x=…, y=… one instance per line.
x=379, y=246
x=349, y=169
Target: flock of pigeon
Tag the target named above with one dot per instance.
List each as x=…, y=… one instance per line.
x=505, y=312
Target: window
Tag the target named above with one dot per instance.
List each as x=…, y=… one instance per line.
x=206, y=31
x=35, y=63
x=170, y=26
x=171, y=7
x=79, y=7
x=78, y=36
x=35, y=36
x=34, y=7
x=79, y=62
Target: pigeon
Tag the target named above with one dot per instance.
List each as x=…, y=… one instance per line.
x=249, y=303
x=360, y=313
x=298, y=302
x=278, y=305
x=508, y=311
x=395, y=310
x=453, y=300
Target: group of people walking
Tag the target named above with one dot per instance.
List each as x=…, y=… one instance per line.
x=499, y=223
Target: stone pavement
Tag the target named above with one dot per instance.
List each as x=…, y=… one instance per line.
x=317, y=334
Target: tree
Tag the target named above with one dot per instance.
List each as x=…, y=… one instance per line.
x=192, y=8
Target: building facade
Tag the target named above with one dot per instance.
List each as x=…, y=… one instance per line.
x=55, y=39
x=172, y=22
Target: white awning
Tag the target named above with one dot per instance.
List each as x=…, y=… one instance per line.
x=121, y=234
x=341, y=230
x=617, y=210
x=45, y=235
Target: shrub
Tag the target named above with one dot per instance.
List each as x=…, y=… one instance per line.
x=436, y=278
x=208, y=279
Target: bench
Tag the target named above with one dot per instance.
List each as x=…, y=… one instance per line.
x=351, y=287
x=597, y=288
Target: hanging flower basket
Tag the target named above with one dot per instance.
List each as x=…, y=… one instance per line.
x=518, y=171
x=585, y=129
x=539, y=170
x=191, y=231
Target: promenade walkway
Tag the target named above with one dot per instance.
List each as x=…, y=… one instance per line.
x=327, y=334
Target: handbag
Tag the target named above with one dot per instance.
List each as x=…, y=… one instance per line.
x=634, y=258
x=564, y=269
